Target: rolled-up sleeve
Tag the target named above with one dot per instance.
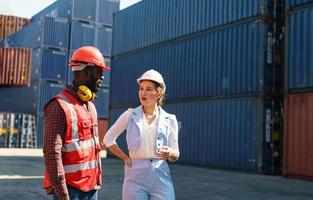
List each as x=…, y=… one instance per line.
x=174, y=135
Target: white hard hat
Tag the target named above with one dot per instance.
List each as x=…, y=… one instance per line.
x=153, y=76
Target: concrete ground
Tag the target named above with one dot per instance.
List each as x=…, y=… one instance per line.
x=21, y=173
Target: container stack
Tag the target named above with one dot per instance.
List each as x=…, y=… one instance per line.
x=217, y=59
x=11, y=24
x=17, y=130
x=53, y=35
x=298, y=140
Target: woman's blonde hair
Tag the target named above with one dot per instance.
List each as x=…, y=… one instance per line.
x=160, y=90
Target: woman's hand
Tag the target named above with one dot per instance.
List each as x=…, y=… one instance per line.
x=166, y=153
x=128, y=162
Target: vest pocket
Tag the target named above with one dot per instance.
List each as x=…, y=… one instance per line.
x=86, y=130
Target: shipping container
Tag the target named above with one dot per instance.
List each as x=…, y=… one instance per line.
x=299, y=50
x=293, y=3
x=102, y=102
x=298, y=138
x=47, y=32
x=1, y=27
x=106, y=10
x=49, y=64
x=40, y=130
x=21, y=22
x=29, y=99
x=104, y=40
x=15, y=66
x=99, y=11
x=153, y=21
x=84, y=34
x=9, y=25
x=106, y=74
x=16, y=130
x=231, y=60
x=234, y=133
x=3, y=130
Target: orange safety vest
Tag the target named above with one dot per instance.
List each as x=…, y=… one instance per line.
x=81, y=148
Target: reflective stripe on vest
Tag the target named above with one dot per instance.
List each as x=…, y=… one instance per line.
x=73, y=118
x=77, y=145
x=83, y=166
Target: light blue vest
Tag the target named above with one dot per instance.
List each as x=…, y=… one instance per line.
x=134, y=129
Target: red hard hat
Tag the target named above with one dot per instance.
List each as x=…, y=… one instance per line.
x=88, y=55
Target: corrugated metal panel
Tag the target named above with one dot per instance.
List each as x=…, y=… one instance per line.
x=299, y=49
x=47, y=32
x=84, y=10
x=298, y=138
x=39, y=130
x=16, y=130
x=49, y=65
x=9, y=28
x=15, y=66
x=104, y=40
x=21, y=22
x=28, y=99
x=290, y=3
x=102, y=102
x=152, y=21
x=1, y=27
x=82, y=34
x=60, y=8
x=196, y=66
x=224, y=133
x=100, y=11
x=106, y=10
x=4, y=130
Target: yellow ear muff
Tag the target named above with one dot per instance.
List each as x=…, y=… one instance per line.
x=85, y=94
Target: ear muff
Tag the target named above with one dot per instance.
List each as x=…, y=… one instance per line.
x=85, y=94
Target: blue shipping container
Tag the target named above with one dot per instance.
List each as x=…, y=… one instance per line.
x=28, y=99
x=102, y=102
x=292, y=3
x=153, y=21
x=228, y=61
x=39, y=130
x=46, y=32
x=99, y=11
x=49, y=65
x=224, y=133
x=84, y=34
x=299, y=50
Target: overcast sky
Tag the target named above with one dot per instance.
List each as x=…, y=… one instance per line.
x=27, y=8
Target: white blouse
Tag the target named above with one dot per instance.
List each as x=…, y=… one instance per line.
x=148, y=135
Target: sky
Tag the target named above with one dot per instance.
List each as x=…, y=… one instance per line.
x=27, y=8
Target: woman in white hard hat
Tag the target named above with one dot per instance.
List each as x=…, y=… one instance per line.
x=152, y=138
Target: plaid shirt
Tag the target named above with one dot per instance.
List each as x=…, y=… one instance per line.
x=54, y=132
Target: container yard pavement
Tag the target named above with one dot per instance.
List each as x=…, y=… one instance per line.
x=21, y=173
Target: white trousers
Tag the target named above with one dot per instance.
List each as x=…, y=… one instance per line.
x=148, y=180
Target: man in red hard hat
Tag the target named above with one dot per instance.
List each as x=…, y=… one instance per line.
x=71, y=141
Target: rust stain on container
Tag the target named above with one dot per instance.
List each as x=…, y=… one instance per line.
x=1, y=27
x=21, y=22
x=9, y=28
x=102, y=128
x=298, y=135
x=15, y=66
